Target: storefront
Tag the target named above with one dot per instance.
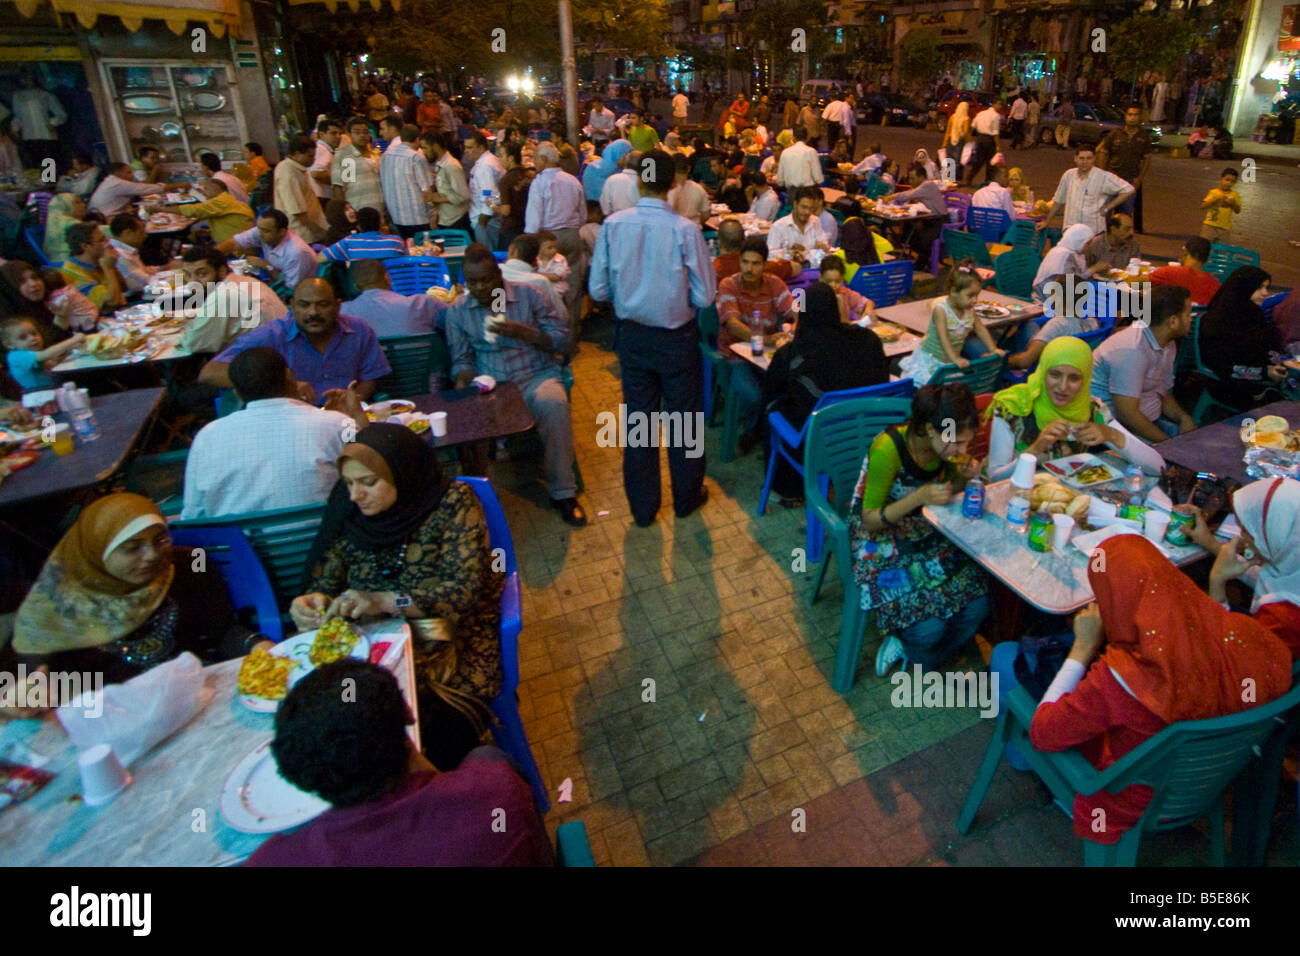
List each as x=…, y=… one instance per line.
x=1267, y=95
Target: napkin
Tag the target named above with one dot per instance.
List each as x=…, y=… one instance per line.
x=484, y=383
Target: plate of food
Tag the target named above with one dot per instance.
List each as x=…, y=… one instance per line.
x=266, y=676
x=1273, y=431
x=886, y=331
x=382, y=411
x=1083, y=471
x=19, y=460
x=256, y=799
x=991, y=310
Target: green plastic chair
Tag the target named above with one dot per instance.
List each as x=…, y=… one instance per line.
x=877, y=188
x=1188, y=764
x=960, y=245
x=571, y=845
x=1206, y=404
x=717, y=373
x=1225, y=260
x=1023, y=233
x=414, y=358
x=984, y=374
x=1014, y=271
x=340, y=277
x=839, y=438
x=281, y=540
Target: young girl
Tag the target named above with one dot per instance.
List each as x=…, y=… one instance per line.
x=70, y=308
x=28, y=359
x=551, y=264
x=951, y=323
x=853, y=305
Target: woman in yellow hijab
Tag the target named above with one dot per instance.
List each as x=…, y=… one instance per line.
x=1054, y=415
x=65, y=209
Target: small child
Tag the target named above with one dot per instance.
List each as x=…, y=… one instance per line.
x=28, y=359
x=551, y=264
x=71, y=308
x=1219, y=205
x=951, y=322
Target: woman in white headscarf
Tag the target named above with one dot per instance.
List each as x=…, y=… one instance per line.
x=931, y=167
x=1065, y=258
x=1268, y=512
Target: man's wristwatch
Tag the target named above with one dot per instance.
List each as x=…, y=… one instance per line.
x=402, y=601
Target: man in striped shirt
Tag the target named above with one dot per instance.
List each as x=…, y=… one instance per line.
x=355, y=172
x=1087, y=193
x=369, y=242
x=404, y=175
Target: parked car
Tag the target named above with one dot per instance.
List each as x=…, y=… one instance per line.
x=978, y=99
x=1091, y=123
x=819, y=91
x=892, y=109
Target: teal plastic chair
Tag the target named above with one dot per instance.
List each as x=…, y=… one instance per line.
x=1014, y=271
x=1188, y=764
x=340, y=277
x=1225, y=260
x=984, y=374
x=1024, y=233
x=451, y=237
x=571, y=845
x=414, y=359
x=839, y=438
x=960, y=245
x=1206, y=404
x=280, y=539
x=877, y=188
x=717, y=374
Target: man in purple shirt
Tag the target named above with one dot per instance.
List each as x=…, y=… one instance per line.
x=390, y=313
x=341, y=734
x=324, y=350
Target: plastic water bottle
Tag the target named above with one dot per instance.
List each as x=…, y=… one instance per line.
x=65, y=397
x=1133, y=484
x=83, y=419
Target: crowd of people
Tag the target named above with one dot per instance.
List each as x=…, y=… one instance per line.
x=563, y=238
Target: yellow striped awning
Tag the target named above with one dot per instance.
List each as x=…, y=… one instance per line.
x=354, y=5
x=217, y=15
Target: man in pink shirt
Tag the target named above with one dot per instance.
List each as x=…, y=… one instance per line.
x=341, y=734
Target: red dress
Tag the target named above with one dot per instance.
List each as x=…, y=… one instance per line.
x=1283, y=619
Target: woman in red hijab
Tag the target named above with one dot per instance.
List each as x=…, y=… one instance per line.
x=1169, y=652
x=740, y=112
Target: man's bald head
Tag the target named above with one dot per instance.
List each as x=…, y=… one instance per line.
x=731, y=236
x=369, y=274
x=633, y=160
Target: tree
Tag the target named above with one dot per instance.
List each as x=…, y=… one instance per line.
x=919, y=58
x=1143, y=43
x=773, y=23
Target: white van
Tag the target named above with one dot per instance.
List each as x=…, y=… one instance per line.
x=820, y=90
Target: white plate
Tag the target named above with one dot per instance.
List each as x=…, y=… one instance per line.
x=1088, y=542
x=991, y=310
x=1066, y=468
x=296, y=648
x=393, y=406
x=256, y=799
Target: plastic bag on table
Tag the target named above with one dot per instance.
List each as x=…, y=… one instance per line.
x=135, y=717
x=1271, y=462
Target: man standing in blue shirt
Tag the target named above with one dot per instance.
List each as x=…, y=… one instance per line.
x=324, y=350
x=655, y=268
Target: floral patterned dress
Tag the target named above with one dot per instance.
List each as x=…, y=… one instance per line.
x=909, y=572
x=447, y=569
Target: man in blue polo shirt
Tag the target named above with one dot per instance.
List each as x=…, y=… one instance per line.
x=324, y=350
x=390, y=313
x=367, y=243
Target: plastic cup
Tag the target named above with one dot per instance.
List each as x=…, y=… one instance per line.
x=1063, y=527
x=102, y=776
x=1023, y=476
x=62, y=443
x=1155, y=524
x=438, y=424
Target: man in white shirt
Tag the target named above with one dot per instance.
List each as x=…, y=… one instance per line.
x=521, y=266
x=839, y=119
x=1087, y=193
x=621, y=190
x=994, y=194
x=126, y=235
x=800, y=165
x=984, y=127
x=118, y=190
x=795, y=234
x=1019, y=110
x=390, y=313
x=80, y=179
x=212, y=163
x=231, y=305
x=485, y=172
x=681, y=106
x=601, y=122
x=763, y=199
x=449, y=194
x=276, y=452
x=37, y=114
x=294, y=194
x=328, y=136
x=687, y=197
x=284, y=254
x=556, y=202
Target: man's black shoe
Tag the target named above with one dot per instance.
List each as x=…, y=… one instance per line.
x=699, y=503
x=571, y=512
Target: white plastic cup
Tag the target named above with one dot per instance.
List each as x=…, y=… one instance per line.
x=1023, y=476
x=102, y=776
x=438, y=424
x=1155, y=524
x=1063, y=528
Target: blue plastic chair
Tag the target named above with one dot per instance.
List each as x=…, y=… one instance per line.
x=884, y=283
x=786, y=442
x=1271, y=303
x=501, y=256
x=509, y=734
x=414, y=275
x=36, y=239
x=958, y=207
x=41, y=200
x=245, y=578
x=990, y=224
